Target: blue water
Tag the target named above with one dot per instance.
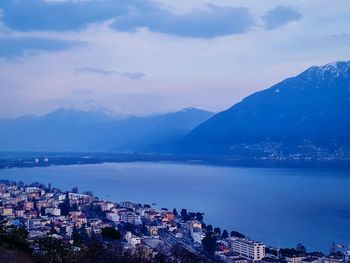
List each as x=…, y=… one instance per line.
x=281, y=207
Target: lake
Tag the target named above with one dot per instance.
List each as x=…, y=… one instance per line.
x=280, y=207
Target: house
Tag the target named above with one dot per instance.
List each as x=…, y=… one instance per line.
x=132, y=240
x=53, y=211
x=113, y=217
x=7, y=211
x=28, y=205
x=197, y=235
x=334, y=259
x=311, y=260
x=295, y=259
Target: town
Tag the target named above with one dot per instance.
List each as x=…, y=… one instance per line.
x=72, y=220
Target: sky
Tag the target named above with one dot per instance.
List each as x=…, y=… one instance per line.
x=149, y=56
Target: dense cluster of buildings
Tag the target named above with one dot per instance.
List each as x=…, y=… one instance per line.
x=47, y=211
x=305, y=150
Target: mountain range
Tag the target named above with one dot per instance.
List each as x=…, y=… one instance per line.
x=98, y=130
x=306, y=115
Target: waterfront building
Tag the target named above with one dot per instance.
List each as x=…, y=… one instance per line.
x=312, y=260
x=295, y=259
x=248, y=248
x=334, y=259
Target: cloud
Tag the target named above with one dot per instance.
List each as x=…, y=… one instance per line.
x=105, y=72
x=208, y=22
x=28, y=15
x=17, y=46
x=133, y=75
x=280, y=16
x=98, y=71
x=181, y=71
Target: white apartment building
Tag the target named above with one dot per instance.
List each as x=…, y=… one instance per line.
x=132, y=240
x=53, y=211
x=113, y=217
x=248, y=248
x=197, y=235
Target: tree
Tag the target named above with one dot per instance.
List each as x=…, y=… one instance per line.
x=209, y=228
x=217, y=230
x=224, y=234
x=54, y=250
x=144, y=229
x=237, y=234
x=289, y=252
x=129, y=227
x=77, y=238
x=110, y=233
x=300, y=247
x=53, y=231
x=175, y=212
x=199, y=216
x=20, y=184
x=209, y=243
x=184, y=214
x=89, y=193
x=14, y=237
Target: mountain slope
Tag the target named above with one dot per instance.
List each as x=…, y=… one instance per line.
x=74, y=130
x=312, y=108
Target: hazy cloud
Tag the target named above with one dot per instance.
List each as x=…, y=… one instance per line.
x=17, y=46
x=209, y=22
x=201, y=69
x=105, y=72
x=133, y=75
x=99, y=71
x=27, y=15
x=280, y=16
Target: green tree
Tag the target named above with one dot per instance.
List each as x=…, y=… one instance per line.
x=217, y=230
x=224, y=234
x=199, y=216
x=300, y=247
x=237, y=234
x=184, y=214
x=209, y=228
x=110, y=233
x=209, y=243
x=77, y=238
x=175, y=212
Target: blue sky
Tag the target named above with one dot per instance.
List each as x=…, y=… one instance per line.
x=143, y=56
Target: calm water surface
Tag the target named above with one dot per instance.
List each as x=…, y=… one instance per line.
x=280, y=207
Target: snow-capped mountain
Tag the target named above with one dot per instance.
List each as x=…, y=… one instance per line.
x=312, y=109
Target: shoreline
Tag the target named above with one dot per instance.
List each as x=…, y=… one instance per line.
x=43, y=159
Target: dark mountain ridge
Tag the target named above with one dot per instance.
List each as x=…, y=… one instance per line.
x=310, y=110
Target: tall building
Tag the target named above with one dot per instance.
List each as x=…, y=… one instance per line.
x=248, y=248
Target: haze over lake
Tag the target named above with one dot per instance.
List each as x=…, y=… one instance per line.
x=281, y=207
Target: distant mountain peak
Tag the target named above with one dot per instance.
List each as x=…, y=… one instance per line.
x=312, y=106
x=189, y=109
x=104, y=110
x=334, y=69
x=69, y=129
